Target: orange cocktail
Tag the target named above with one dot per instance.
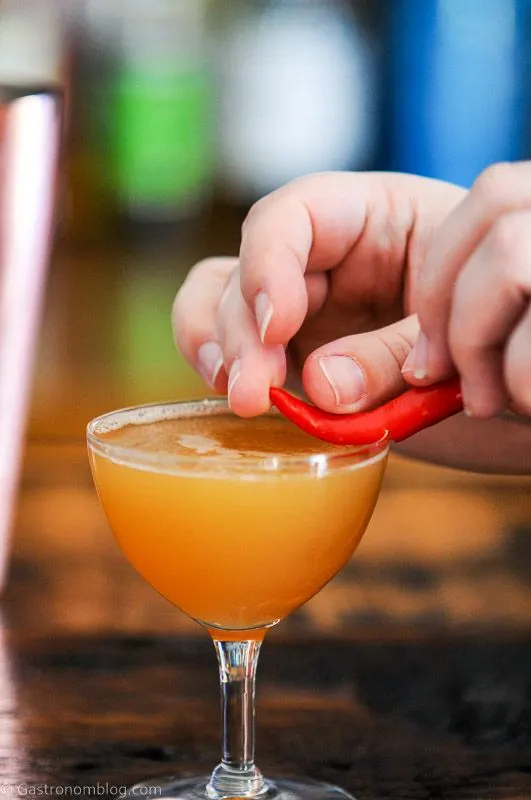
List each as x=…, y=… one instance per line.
x=235, y=548
x=237, y=523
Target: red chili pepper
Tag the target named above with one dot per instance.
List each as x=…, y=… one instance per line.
x=401, y=417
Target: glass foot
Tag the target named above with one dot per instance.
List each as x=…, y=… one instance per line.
x=196, y=789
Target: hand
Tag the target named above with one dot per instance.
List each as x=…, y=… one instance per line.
x=328, y=265
x=473, y=296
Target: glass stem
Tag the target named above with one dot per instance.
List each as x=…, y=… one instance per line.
x=237, y=775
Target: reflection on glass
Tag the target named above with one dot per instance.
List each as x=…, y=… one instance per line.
x=29, y=138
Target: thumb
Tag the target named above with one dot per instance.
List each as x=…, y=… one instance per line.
x=361, y=371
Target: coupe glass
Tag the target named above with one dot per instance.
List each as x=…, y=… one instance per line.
x=237, y=544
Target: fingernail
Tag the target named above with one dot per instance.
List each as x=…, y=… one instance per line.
x=346, y=378
x=235, y=372
x=209, y=361
x=263, y=309
x=420, y=354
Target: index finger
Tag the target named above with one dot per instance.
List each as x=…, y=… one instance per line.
x=500, y=189
x=362, y=221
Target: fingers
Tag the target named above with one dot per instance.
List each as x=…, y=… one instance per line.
x=336, y=242
x=350, y=374
x=362, y=371
x=490, y=296
x=359, y=225
x=217, y=334
x=500, y=190
x=276, y=242
x=252, y=367
x=517, y=367
x=194, y=318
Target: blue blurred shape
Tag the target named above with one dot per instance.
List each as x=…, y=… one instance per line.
x=457, y=85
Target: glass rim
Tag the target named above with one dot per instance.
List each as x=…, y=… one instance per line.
x=146, y=413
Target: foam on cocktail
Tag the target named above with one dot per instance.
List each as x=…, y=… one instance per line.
x=228, y=436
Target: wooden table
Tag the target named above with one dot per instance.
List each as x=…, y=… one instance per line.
x=408, y=677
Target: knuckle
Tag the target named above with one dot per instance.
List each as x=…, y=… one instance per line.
x=262, y=209
x=509, y=235
x=495, y=185
x=256, y=211
x=212, y=267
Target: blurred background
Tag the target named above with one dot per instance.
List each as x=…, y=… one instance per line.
x=178, y=115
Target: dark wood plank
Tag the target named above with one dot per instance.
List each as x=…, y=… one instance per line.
x=409, y=676
x=445, y=719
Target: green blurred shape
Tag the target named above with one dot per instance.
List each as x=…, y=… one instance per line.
x=163, y=138
x=154, y=370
